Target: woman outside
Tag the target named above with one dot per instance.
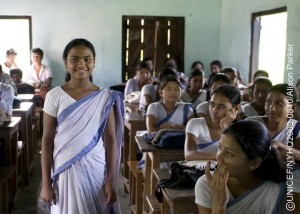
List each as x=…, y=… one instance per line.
x=81, y=144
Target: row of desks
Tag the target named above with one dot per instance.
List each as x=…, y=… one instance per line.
x=176, y=200
x=22, y=122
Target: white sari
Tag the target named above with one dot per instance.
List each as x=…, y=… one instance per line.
x=79, y=162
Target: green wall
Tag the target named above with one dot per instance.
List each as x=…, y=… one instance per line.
x=55, y=22
x=215, y=29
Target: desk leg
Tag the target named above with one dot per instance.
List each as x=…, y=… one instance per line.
x=165, y=209
x=125, y=157
x=155, y=160
x=25, y=153
x=147, y=181
x=132, y=143
x=30, y=145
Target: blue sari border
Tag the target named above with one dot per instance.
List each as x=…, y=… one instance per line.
x=243, y=195
x=75, y=105
x=95, y=139
x=204, y=145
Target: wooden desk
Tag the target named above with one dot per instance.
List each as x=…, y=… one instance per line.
x=131, y=107
x=25, y=112
x=179, y=200
x=9, y=135
x=133, y=122
x=154, y=156
x=26, y=97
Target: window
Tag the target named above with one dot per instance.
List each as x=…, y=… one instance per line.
x=155, y=37
x=269, y=43
x=16, y=34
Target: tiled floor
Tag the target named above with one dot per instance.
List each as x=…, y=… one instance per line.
x=29, y=202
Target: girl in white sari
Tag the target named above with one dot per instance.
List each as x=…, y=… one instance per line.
x=83, y=128
x=250, y=177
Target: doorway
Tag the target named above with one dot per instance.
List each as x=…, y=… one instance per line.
x=16, y=34
x=269, y=43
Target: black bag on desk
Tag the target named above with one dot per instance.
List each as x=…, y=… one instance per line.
x=167, y=139
x=182, y=175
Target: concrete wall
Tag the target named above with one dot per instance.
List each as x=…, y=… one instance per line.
x=56, y=22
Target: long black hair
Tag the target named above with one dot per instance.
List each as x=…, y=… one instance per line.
x=253, y=137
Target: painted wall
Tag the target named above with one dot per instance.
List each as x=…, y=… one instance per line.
x=56, y=22
x=235, y=32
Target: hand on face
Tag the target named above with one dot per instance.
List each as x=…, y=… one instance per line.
x=230, y=116
x=218, y=184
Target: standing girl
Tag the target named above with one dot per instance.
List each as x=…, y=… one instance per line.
x=81, y=144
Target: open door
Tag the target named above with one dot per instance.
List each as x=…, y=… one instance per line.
x=268, y=43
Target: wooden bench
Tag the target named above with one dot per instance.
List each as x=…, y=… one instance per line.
x=133, y=122
x=154, y=156
x=178, y=200
x=154, y=205
x=136, y=187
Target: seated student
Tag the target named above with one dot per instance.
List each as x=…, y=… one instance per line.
x=149, y=61
x=260, y=89
x=232, y=73
x=171, y=62
x=247, y=92
x=278, y=119
x=215, y=68
x=150, y=93
x=194, y=93
x=197, y=65
x=250, y=175
x=39, y=75
x=169, y=113
x=6, y=102
x=142, y=77
x=203, y=134
x=22, y=88
x=202, y=110
x=5, y=78
x=10, y=63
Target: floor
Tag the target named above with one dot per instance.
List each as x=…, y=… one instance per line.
x=29, y=202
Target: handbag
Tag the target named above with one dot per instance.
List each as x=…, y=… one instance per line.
x=167, y=138
x=183, y=174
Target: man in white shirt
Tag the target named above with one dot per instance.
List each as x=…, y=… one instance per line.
x=10, y=63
